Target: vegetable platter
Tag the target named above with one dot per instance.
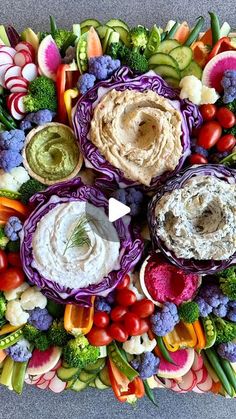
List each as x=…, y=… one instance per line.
x=146, y=116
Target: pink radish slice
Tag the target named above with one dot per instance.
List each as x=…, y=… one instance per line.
x=43, y=386
x=13, y=71
x=19, y=104
x=41, y=380
x=33, y=379
x=200, y=376
x=16, y=115
x=19, y=88
x=196, y=390
x=206, y=386
x=215, y=68
x=197, y=363
x=188, y=382
x=5, y=58
x=56, y=385
x=15, y=80
x=25, y=46
x=29, y=71
x=9, y=50
x=10, y=99
x=57, y=366
x=49, y=375
x=22, y=58
x=168, y=383
x=3, y=69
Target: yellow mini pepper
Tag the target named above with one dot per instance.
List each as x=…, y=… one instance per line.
x=78, y=319
x=183, y=336
x=69, y=95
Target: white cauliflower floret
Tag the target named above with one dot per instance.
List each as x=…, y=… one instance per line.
x=137, y=345
x=32, y=298
x=13, y=180
x=191, y=88
x=16, y=293
x=135, y=286
x=14, y=313
x=209, y=95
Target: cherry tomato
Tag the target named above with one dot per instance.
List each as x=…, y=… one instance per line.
x=208, y=112
x=14, y=259
x=117, y=313
x=144, y=327
x=132, y=323
x=11, y=279
x=3, y=261
x=225, y=117
x=98, y=337
x=143, y=308
x=209, y=134
x=197, y=159
x=101, y=319
x=125, y=297
x=117, y=332
x=124, y=283
x=226, y=143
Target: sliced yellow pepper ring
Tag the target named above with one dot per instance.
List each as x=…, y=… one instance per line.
x=79, y=319
x=183, y=336
x=69, y=95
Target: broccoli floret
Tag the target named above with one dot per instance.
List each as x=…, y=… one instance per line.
x=64, y=39
x=57, y=334
x=189, y=312
x=13, y=246
x=3, y=238
x=115, y=50
x=139, y=38
x=42, y=95
x=226, y=330
x=131, y=58
x=42, y=342
x=3, y=305
x=29, y=188
x=30, y=332
x=79, y=353
x=227, y=280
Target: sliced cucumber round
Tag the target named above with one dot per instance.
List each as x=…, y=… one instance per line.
x=162, y=59
x=86, y=377
x=124, y=35
x=193, y=69
x=102, y=30
x=172, y=82
x=90, y=22
x=167, y=71
x=78, y=385
x=117, y=22
x=67, y=374
x=168, y=45
x=99, y=384
x=183, y=55
x=96, y=366
x=104, y=377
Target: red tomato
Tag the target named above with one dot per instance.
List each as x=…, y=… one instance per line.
x=3, y=261
x=101, y=319
x=125, y=297
x=225, y=117
x=132, y=323
x=226, y=143
x=197, y=159
x=208, y=112
x=98, y=337
x=143, y=308
x=117, y=313
x=209, y=134
x=14, y=259
x=124, y=283
x=144, y=327
x=117, y=332
x=11, y=279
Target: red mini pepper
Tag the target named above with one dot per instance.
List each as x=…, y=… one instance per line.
x=67, y=75
x=224, y=44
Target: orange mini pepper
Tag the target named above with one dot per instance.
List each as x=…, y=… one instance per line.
x=78, y=319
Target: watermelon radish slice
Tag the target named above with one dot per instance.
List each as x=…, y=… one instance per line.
x=188, y=382
x=206, y=386
x=3, y=69
x=25, y=46
x=22, y=58
x=183, y=358
x=215, y=68
x=42, y=362
x=9, y=50
x=15, y=80
x=5, y=58
x=29, y=72
x=13, y=71
x=198, y=362
x=49, y=57
x=56, y=385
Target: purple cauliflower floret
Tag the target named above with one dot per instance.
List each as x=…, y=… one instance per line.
x=12, y=140
x=86, y=81
x=211, y=300
x=204, y=308
x=41, y=117
x=9, y=159
x=40, y=318
x=103, y=67
x=12, y=228
x=20, y=352
x=220, y=311
x=227, y=351
x=228, y=83
x=146, y=364
x=101, y=304
x=164, y=321
x=231, y=315
x=131, y=197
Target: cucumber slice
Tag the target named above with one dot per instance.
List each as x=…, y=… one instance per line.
x=172, y=82
x=193, y=69
x=113, y=38
x=67, y=374
x=99, y=384
x=92, y=384
x=104, y=377
x=117, y=22
x=90, y=22
x=65, y=365
x=106, y=39
x=183, y=55
x=124, y=35
x=168, y=45
x=86, y=377
x=78, y=385
x=167, y=71
x=162, y=59
x=102, y=30
x=96, y=367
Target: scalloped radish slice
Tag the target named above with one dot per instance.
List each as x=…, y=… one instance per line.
x=15, y=80
x=198, y=362
x=22, y=58
x=215, y=68
x=49, y=57
x=3, y=69
x=56, y=385
x=25, y=46
x=29, y=71
x=9, y=50
x=13, y=71
x=201, y=375
x=5, y=58
x=206, y=386
x=19, y=104
x=188, y=382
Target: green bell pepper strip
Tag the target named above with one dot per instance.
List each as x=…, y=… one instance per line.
x=215, y=363
x=149, y=392
x=215, y=28
x=116, y=357
x=195, y=32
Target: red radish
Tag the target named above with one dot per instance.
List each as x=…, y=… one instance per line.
x=202, y=375
x=13, y=71
x=94, y=46
x=9, y=50
x=206, y=386
x=197, y=390
x=5, y=58
x=10, y=98
x=49, y=375
x=188, y=382
x=22, y=58
x=19, y=88
x=3, y=69
x=19, y=104
x=49, y=57
x=16, y=115
x=15, y=80
x=43, y=385
x=215, y=68
x=25, y=46
x=29, y=71
x=197, y=363
x=57, y=385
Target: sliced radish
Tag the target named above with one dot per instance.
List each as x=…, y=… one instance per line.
x=43, y=386
x=25, y=46
x=168, y=383
x=56, y=385
x=11, y=51
x=188, y=382
x=197, y=363
x=16, y=115
x=197, y=390
x=49, y=375
x=3, y=69
x=15, y=80
x=19, y=104
x=19, y=88
x=200, y=376
x=206, y=386
x=13, y=71
x=22, y=58
x=5, y=58
x=29, y=71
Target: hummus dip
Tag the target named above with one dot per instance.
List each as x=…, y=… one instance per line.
x=138, y=133
x=199, y=220
x=78, y=266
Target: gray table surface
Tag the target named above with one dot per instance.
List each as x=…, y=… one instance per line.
x=91, y=403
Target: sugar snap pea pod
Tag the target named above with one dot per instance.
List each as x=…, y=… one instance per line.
x=154, y=41
x=229, y=372
x=171, y=33
x=7, y=371
x=11, y=339
x=210, y=331
x=195, y=32
x=215, y=363
x=116, y=356
x=18, y=376
x=215, y=28
x=149, y=392
x=163, y=350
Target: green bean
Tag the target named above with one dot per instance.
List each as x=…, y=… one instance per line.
x=172, y=31
x=53, y=26
x=149, y=392
x=215, y=363
x=195, y=32
x=163, y=36
x=215, y=28
x=163, y=350
x=229, y=372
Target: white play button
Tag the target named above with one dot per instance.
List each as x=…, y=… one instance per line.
x=116, y=210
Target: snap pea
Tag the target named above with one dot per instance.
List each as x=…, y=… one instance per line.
x=7, y=371
x=9, y=194
x=163, y=36
x=149, y=392
x=11, y=339
x=195, y=32
x=215, y=363
x=154, y=41
x=172, y=31
x=215, y=28
x=116, y=356
x=210, y=331
x=163, y=350
x=18, y=376
x=229, y=372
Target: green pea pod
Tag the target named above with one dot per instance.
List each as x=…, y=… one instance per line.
x=229, y=372
x=171, y=33
x=195, y=32
x=9, y=194
x=18, y=376
x=209, y=330
x=163, y=350
x=215, y=363
x=116, y=356
x=154, y=41
x=229, y=160
x=11, y=339
x=149, y=392
x=215, y=28
x=7, y=371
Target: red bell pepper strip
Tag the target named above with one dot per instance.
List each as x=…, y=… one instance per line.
x=224, y=44
x=66, y=75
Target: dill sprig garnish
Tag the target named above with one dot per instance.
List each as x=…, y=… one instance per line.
x=79, y=236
